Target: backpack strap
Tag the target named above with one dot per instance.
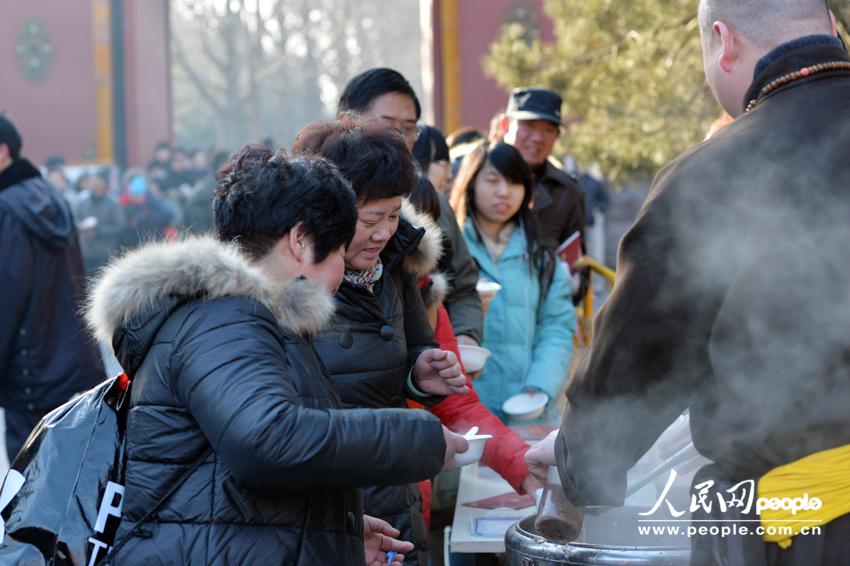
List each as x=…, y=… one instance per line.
x=157, y=506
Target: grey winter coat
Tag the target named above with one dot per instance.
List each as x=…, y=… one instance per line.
x=106, y=239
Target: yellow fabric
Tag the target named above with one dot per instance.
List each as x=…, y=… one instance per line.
x=825, y=475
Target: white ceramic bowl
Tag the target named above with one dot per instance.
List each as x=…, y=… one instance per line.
x=526, y=406
x=488, y=288
x=476, y=450
x=473, y=357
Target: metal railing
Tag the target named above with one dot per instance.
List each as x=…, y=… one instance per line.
x=585, y=318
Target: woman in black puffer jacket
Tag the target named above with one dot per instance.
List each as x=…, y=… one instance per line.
x=379, y=347
x=217, y=342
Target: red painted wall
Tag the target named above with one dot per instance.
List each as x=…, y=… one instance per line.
x=480, y=23
x=148, y=77
x=56, y=115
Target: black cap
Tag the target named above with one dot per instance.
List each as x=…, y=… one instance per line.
x=527, y=103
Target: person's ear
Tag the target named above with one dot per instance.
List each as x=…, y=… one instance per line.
x=729, y=45
x=297, y=242
x=834, y=24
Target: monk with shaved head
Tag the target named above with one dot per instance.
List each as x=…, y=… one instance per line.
x=732, y=304
x=737, y=34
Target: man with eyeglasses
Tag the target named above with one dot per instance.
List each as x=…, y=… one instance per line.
x=384, y=94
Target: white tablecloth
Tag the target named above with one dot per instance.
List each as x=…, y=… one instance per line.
x=476, y=483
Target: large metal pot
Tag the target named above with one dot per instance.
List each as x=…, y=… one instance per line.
x=524, y=547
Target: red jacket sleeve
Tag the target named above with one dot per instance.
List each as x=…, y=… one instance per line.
x=505, y=452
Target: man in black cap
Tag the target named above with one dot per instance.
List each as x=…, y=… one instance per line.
x=532, y=124
x=45, y=356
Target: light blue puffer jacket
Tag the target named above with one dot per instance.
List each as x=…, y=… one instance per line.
x=531, y=347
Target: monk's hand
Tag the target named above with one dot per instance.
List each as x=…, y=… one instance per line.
x=542, y=455
x=530, y=485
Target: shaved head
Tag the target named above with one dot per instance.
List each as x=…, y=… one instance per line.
x=766, y=23
x=737, y=34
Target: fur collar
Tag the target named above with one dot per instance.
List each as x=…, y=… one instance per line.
x=200, y=267
x=426, y=256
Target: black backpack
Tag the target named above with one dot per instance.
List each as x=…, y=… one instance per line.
x=61, y=500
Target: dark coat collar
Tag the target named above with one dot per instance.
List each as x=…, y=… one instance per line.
x=789, y=46
x=546, y=178
x=18, y=172
x=793, y=56
x=404, y=242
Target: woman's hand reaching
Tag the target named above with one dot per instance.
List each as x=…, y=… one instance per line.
x=438, y=372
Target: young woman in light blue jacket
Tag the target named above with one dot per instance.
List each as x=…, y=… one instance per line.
x=530, y=323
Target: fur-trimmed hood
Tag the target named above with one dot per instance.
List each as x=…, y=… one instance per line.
x=426, y=256
x=150, y=277
x=435, y=289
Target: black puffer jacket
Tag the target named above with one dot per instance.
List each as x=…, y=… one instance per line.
x=219, y=357
x=45, y=354
x=370, y=347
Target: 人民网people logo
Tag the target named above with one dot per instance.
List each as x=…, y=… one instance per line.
x=740, y=496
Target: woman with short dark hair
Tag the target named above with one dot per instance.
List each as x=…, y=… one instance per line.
x=379, y=348
x=230, y=405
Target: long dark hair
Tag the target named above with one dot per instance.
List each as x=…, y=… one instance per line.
x=510, y=164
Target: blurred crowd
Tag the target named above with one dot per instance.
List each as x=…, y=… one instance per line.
x=172, y=195
x=116, y=210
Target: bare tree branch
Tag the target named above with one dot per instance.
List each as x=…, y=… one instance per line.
x=196, y=80
x=203, y=25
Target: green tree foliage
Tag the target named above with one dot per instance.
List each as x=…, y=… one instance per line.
x=841, y=8
x=630, y=74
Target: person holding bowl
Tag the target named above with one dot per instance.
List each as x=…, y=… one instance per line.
x=531, y=321
x=379, y=348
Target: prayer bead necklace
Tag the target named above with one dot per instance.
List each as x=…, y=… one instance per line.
x=796, y=75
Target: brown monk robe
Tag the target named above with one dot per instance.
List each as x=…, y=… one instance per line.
x=733, y=293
